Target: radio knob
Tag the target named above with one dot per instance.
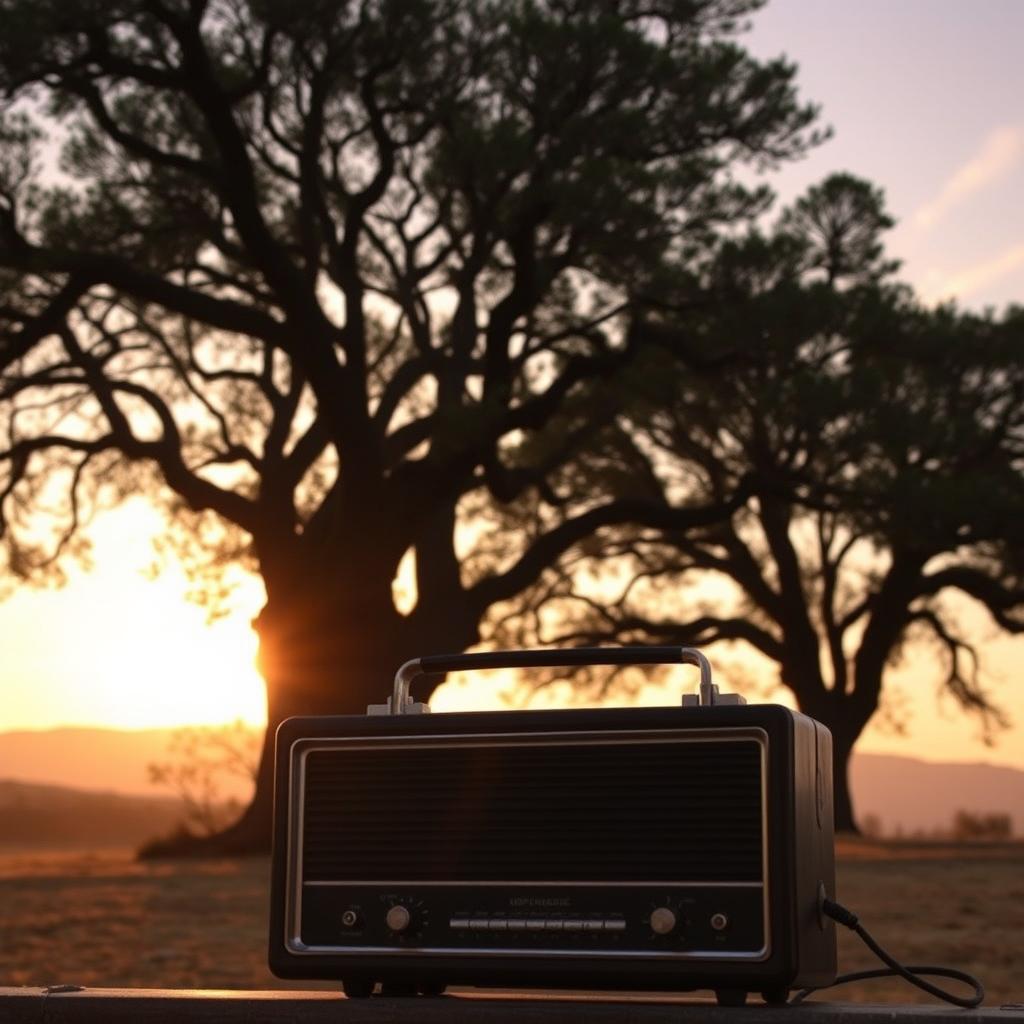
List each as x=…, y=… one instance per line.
x=663, y=921
x=398, y=918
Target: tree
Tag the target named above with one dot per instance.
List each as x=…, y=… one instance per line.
x=325, y=279
x=201, y=762
x=881, y=444
x=839, y=223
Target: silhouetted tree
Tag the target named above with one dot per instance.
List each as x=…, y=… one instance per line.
x=839, y=223
x=317, y=276
x=881, y=444
x=201, y=761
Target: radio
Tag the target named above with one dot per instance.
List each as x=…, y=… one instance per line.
x=673, y=848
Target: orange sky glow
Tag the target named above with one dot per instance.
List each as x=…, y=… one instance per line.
x=117, y=649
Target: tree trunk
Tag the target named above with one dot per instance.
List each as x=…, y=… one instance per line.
x=842, y=748
x=845, y=716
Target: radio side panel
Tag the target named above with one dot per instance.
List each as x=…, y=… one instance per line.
x=813, y=862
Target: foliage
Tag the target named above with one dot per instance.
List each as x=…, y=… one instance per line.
x=839, y=223
x=379, y=237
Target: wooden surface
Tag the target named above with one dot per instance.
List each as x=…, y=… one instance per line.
x=147, y=1006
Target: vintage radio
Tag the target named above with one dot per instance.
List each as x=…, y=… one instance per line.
x=672, y=848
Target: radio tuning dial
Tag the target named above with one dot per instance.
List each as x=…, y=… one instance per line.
x=398, y=918
x=663, y=921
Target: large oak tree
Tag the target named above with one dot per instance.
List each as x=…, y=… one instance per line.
x=326, y=278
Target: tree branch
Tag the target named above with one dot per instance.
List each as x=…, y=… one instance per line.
x=998, y=598
x=547, y=548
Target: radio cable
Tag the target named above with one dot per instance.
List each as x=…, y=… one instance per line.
x=843, y=916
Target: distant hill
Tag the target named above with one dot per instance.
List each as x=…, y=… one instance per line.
x=911, y=794
x=35, y=816
x=109, y=759
x=903, y=792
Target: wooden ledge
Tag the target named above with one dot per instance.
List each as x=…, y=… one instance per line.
x=60, y=1004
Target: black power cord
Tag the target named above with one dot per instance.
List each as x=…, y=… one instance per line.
x=841, y=915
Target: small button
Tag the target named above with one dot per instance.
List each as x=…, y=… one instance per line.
x=615, y=926
x=497, y=924
x=459, y=922
x=534, y=924
x=478, y=923
x=554, y=925
x=572, y=926
x=593, y=926
x=719, y=922
x=516, y=924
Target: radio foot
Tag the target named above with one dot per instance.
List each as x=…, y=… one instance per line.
x=730, y=996
x=775, y=996
x=357, y=988
x=432, y=988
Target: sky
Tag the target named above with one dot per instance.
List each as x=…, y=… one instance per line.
x=924, y=97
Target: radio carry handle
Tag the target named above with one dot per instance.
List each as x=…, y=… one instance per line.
x=401, y=701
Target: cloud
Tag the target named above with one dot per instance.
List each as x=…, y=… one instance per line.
x=972, y=279
x=1000, y=153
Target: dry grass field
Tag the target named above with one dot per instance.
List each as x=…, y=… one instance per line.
x=102, y=920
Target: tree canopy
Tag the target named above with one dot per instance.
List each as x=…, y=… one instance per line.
x=881, y=443
x=326, y=279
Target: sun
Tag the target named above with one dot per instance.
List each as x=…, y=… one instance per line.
x=118, y=649
x=169, y=667
x=136, y=654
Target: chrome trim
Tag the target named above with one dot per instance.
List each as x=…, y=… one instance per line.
x=302, y=747
x=296, y=814
x=401, y=690
x=764, y=843
x=401, y=701
x=539, y=885
x=526, y=952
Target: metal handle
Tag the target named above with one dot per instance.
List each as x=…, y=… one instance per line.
x=559, y=658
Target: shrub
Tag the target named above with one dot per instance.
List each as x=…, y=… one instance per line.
x=968, y=825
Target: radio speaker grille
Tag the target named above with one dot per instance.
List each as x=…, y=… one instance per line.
x=672, y=811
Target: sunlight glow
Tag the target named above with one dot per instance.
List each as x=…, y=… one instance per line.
x=118, y=649
x=166, y=666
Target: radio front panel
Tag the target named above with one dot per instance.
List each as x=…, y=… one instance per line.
x=647, y=844
x=667, y=922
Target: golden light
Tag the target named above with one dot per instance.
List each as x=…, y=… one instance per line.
x=115, y=648
x=167, y=666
